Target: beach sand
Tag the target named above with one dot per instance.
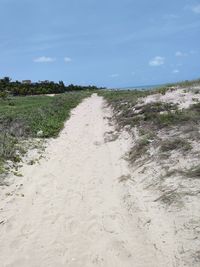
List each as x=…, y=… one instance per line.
x=73, y=209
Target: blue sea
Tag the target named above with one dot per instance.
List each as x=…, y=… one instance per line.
x=143, y=87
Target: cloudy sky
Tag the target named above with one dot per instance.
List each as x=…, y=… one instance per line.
x=113, y=43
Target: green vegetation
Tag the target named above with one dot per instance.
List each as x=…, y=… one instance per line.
x=166, y=140
x=152, y=116
x=122, y=96
x=32, y=116
x=185, y=83
x=25, y=116
x=16, y=88
x=123, y=103
x=182, y=84
x=130, y=111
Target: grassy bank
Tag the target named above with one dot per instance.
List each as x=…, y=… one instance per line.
x=32, y=116
x=149, y=119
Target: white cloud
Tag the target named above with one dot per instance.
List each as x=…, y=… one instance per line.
x=175, y=71
x=157, y=61
x=67, y=59
x=44, y=59
x=114, y=75
x=180, y=54
x=196, y=9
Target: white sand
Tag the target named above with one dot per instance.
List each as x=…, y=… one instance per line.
x=183, y=97
x=71, y=209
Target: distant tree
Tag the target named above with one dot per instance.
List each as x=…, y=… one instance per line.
x=6, y=80
x=43, y=87
x=61, y=83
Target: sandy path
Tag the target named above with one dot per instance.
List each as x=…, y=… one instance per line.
x=73, y=212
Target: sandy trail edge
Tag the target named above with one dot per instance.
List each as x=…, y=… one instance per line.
x=73, y=212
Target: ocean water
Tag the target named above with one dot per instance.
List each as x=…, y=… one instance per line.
x=143, y=87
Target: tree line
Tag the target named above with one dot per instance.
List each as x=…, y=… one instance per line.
x=16, y=88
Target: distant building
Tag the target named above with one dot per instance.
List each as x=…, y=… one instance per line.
x=26, y=81
x=46, y=81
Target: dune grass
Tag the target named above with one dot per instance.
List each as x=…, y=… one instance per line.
x=148, y=116
x=130, y=110
x=193, y=172
x=175, y=144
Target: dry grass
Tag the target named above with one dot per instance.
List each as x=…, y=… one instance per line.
x=193, y=172
x=169, y=197
x=175, y=144
x=139, y=149
x=124, y=178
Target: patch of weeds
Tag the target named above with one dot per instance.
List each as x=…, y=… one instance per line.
x=169, y=197
x=195, y=99
x=33, y=161
x=147, y=133
x=173, y=172
x=17, y=159
x=189, y=128
x=2, y=167
x=7, y=147
x=124, y=178
x=196, y=91
x=193, y=172
x=175, y=144
x=8, y=194
x=186, y=83
x=21, y=150
x=110, y=136
x=162, y=90
x=17, y=174
x=195, y=107
x=139, y=149
x=169, y=173
x=154, y=116
x=157, y=107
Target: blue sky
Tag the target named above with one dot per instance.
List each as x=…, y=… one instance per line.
x=113, y=43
